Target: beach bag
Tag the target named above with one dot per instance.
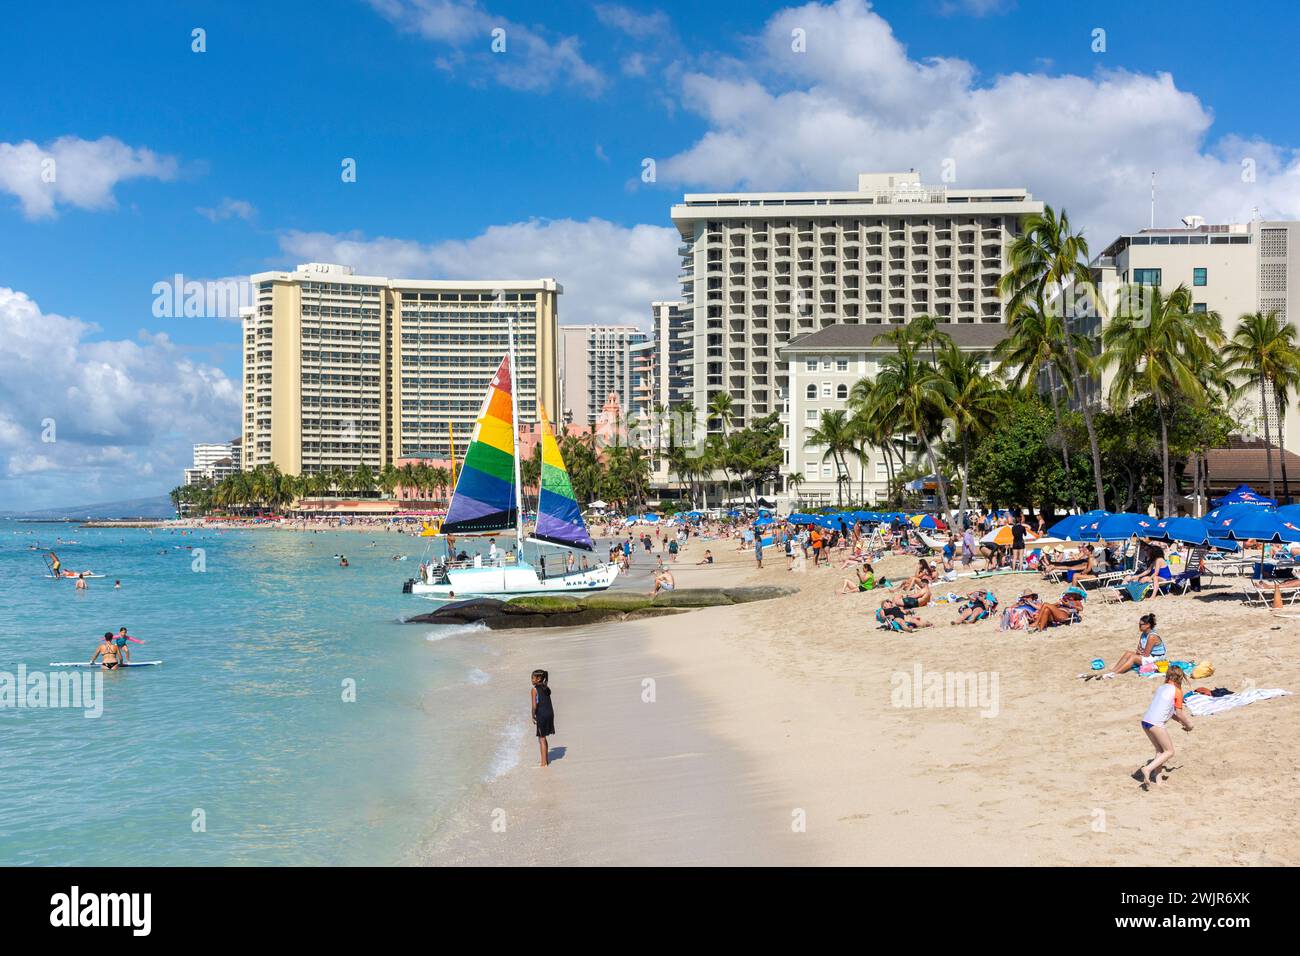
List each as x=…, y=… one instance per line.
x=1203, y=670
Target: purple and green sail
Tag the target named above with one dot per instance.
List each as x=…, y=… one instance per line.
x=559, y=519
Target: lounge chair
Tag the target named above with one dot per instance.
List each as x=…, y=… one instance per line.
x=1259, y=593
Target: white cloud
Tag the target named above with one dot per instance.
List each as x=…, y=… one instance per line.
x=856, y=101
x=610, y=273
x=228, y=209
x=634, y=24
x=124, y=413
x=70, y=171
x=531, y=61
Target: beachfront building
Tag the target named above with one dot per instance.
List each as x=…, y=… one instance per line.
x=214, y=462
x=1232, y=269
x=823, y=367
x=596, y=360
x=761, y=269
x=342, y=370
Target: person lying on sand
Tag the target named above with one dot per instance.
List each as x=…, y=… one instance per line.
x=909, y=622
x=917, y=597
x=1150, y=648
x=1167, y=702
x=974, y=608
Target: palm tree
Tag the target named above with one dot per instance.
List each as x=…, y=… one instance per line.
x=1156, y=343
x=1266, y=356
x=837, y=438
x=1033, y=350
x=388, y=480
x=973, y=406
x=921, y=395
x=794, y=481
x=1045, y=262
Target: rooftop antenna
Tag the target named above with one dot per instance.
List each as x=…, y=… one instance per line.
x=1153, y=199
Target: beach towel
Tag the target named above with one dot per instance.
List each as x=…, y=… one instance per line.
x=1201, y=706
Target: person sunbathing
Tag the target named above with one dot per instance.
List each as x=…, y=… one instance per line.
x=974, y=608
x=1150, y=647
x=1066, y=610
x=906, y=620
x=866, y=580
x=1018, y=615
x=918, y=596
x=924, y=575
x=1157, y=572
x=1083, y=563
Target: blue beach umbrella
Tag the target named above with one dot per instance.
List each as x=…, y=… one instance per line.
x=1244, y=495
x=1120, y=526
x=1072, y=527
x=1290, y=513
x=1220, y=517
x=1261, y=524
x=1185, y=530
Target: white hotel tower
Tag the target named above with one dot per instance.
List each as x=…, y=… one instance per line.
x=760, y=269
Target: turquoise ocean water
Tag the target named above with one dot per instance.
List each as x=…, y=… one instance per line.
x=245, y=720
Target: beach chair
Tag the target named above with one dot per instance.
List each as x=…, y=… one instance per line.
x=1260, y=594
x=891, y=623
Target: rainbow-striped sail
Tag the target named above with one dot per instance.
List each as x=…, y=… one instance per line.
x=559, y=521
x=485, y=499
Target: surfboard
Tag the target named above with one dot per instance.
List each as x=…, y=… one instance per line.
x=97, y=664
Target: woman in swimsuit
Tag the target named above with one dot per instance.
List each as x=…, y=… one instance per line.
x=1150, y=648
x=865, y=582
x=108, y=653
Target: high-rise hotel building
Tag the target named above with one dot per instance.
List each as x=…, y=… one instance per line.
x=595, y=361
x=761, y=269
x=342, y=370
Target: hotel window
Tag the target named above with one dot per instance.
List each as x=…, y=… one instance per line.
x=810, y=415
x=826, y=389
x=1198, y=307
x=841, y=391
x=1146, y=277
x=841, y=365
x=881, y=472
x=811, y=365
x=1200, y=276
x=812, y=391
x=826, y=365
x=826, y=471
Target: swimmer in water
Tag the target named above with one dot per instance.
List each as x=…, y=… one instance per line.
x=108, y=653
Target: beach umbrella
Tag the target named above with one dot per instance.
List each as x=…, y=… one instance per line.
x=1261, y=524
x=1120, y=526
x=1290, y=513
x=1221, y=517
x=924, y=521
x=1071, y=527
x=1186, y=530
x=1244, y=495
x=1002, y=536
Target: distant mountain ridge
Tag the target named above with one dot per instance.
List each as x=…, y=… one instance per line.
x=159, y=507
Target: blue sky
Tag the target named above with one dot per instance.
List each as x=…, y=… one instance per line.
x=528, y=162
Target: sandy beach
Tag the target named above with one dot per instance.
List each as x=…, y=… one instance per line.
x=776, y=734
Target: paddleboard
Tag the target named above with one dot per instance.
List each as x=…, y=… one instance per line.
x=97, y=664
x=64, y=577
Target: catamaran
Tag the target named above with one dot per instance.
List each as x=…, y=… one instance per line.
x=488, y=499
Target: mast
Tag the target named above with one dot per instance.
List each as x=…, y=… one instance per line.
x=514, y=409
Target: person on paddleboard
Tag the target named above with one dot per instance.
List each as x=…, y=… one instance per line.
x=121, y=639
x=55, y=564
x=108, y=652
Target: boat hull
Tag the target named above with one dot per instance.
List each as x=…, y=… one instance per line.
x=515, y=580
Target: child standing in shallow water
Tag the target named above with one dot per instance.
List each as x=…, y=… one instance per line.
x=543, y=713
x=1168, y=702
